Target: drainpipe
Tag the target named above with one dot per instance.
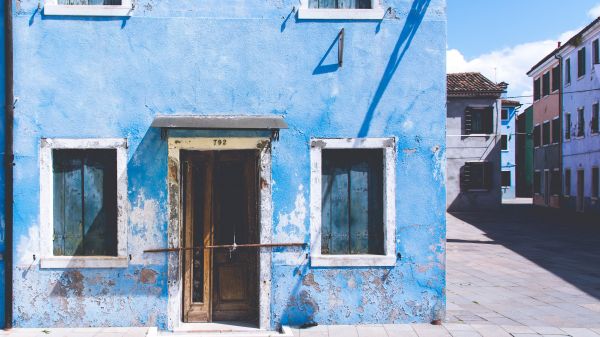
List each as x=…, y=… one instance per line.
x=8, y=166
x=560, y=122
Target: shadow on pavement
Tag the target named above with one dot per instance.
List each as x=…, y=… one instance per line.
x=564, y=243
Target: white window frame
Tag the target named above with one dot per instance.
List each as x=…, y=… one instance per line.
x=47, y=258
x=51, y=7
x=388, y=259
x=376, y=12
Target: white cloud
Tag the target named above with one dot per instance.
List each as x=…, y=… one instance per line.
x=509, y=64
x=594, y=12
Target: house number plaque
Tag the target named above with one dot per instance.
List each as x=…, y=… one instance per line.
x=220, y=142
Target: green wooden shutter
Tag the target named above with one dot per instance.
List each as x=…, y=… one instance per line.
x=468, y=121
x=68, y=206
x=359, y=208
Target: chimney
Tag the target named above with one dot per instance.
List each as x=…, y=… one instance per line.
x=559, y=44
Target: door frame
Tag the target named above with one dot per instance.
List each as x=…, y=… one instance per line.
x=175, y=220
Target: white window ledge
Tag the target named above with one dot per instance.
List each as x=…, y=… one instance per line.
x=85, y=10
x=61, y=262
x=341, y=14
x=353, y=260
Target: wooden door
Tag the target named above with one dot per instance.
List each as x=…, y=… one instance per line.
x=220, y=208
x=580, y=190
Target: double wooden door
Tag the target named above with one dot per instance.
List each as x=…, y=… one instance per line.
x=220, y=208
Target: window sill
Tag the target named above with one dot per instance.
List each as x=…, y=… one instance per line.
x=61, y=262
x=478, y=190
x=340, y=14
x=83, y=10
x=353, y=260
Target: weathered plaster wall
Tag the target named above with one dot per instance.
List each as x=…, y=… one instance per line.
x=582, y=152
x=2, y=143
x=108, y=77
x=508, y=157
x=463, y=148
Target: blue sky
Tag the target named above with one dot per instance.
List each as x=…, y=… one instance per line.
x=503, y=38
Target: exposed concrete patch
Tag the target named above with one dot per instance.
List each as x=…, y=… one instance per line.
x=146, y=219
x=28, y=246
x=148, y=276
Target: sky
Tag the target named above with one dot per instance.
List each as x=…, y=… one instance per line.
x=503, y=39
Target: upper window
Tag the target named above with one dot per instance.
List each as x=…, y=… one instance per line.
x=504, y=114
x=581, y=68
x=546, y=133
x=595, y=52
x=555, y=131
x=595, y=118
x=546, y=84
x=555, y=78
x=83, y=195
x=341, y=9
x=537, y=89
x=504, y=142
x=536, y=136
x=580, y=122
x=567, y=126
x=479, y=120
x=352, y=198
x=88, y=7
x=567, y=71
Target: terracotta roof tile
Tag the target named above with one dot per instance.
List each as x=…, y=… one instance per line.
x=472, y=84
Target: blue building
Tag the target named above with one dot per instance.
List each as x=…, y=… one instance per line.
x=159, y=142
x=3, y=132
x=508, y=141
x=580, y=100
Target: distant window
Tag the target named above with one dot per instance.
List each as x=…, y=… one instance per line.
x=567, y=71
x=504, y=142
x=580, y=122
x=595, y=120
x=567, y=182
x=536, y=136
x=555, y=131
x=479, y=120
x=555, y=78
x=555, y=182
x=476, y=176
x=595, y=182
x=504, y=114
x=581, y=67
x=362, y=4
x=88, y=7
x=537, y=182
x=596, y=51
x=506, y=179
x=537, y=87
x=567, y=126
x=546, y=133
x=546, y=84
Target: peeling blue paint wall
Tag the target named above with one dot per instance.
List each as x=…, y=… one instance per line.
x=108, y=77
x=2, y=143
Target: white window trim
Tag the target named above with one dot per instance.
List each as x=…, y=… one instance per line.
x=389, y=203
x=47, y=259
x=376, y=12
x=51, y=7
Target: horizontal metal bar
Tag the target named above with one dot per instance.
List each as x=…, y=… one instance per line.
x=235, y=246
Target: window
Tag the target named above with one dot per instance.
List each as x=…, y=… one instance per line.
x=596, y=52
x=581, y=62
x=506, y=179
x=536, y=136
x=504, y=114
x=88, y=7
x=555, y=78
x=567, y=126
x=555, y=131
x=555, y=182
x=580, y=122
x=537, y=182
x=341, y=9
x=567, y=182
x=595, y=182
x=476, y=176
x=546, y=133
x=353, y=202
x=83, y=186
x=546, y=84
x=595, y=120
x=537, y=89
x=479, y=120
x=567, y=71
x=504, y=143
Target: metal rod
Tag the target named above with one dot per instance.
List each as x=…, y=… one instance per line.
x=249, y=245
x=341, y=48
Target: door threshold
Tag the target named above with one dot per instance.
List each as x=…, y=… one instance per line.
x=228, y=329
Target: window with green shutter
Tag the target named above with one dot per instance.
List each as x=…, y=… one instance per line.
x=85, y=202
x=355, y=4
x=352, y=202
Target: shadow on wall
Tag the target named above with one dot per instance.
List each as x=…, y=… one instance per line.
x=413, y=22
x=562, y=242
